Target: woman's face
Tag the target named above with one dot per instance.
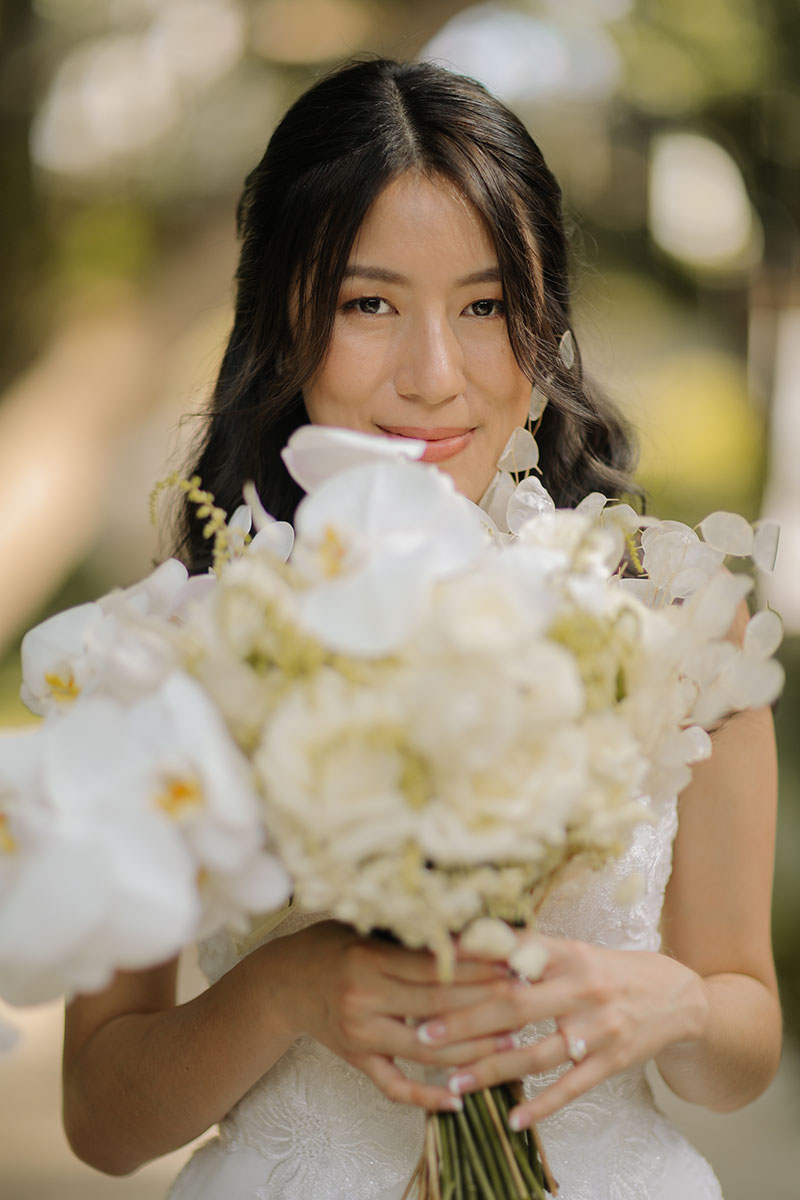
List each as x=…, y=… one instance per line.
x=420, y=346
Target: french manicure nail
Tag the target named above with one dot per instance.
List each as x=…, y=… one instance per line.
x=455, y=1104
x=430, y=1032
x=506, y=1042
x=518, y=1121
x=461, y=1083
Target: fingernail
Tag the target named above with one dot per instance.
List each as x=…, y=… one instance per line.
x=461, y=1083
x=454, y=1104
x=507, y=1042
x=518, y=1120
x=430, y=1032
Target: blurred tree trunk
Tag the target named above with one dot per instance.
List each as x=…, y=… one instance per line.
x=19, y=237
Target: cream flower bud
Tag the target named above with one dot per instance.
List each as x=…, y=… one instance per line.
x=529, y=959
x=488, y=938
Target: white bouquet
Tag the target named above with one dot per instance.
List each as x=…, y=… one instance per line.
x=402, y=715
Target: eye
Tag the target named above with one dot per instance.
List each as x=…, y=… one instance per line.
x=486, y=308
x=371, y=306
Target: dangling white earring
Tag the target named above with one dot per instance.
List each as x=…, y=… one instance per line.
x=537, y=405
x=566, y=349
x=508, y=500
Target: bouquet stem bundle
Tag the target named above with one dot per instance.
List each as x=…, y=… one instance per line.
x=476, y=1155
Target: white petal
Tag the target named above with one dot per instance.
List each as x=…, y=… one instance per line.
x=763, y=635
x=488, y=938
x=521, y=452
x=529, y=500
x=52, y=648
x=394, y=507
x=277, y=538
x=314, y=453
x=592, y=505
x=494, y=500
x=623, y=516
x=370, y=612
x=728, y=532
x=765, y=544
x=755, y=682
x=252, y=499
x=242, y=518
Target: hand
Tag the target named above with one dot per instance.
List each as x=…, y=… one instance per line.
x=353, y=994
x=625, y=1005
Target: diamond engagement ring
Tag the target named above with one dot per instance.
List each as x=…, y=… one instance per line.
x=576, y=1048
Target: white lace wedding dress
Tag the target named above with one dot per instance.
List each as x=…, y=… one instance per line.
x=314, y=1128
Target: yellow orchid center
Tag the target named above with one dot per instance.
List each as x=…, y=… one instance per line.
x=179, y=797
x=8, y=842
x=63, y=689
x=332, y=552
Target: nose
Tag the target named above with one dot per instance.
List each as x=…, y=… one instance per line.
x=430, y=365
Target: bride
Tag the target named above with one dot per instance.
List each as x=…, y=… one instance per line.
x=403, y=273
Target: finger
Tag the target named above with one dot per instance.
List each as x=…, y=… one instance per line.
x=509, y=1004
x=398, y=1087
x=573, y=1083
x=501, y=1065
x=414, y=966
x=435, y=1000
x=396, y=1039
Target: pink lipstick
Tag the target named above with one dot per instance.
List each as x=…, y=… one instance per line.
x=442, y=443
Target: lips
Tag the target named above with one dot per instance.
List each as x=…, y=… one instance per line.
x=442, y=442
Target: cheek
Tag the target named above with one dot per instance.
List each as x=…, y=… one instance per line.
x=346, y=382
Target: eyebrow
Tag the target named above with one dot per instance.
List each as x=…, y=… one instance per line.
x=381, y=275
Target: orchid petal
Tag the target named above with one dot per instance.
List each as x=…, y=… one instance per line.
x=242, y=519
x=260, y=516
x=315, y=453
x=277, y=538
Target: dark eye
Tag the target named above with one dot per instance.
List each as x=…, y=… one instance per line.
x=370, y=305
x=487, y=308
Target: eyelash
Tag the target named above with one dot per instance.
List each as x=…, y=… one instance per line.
x=355, y=306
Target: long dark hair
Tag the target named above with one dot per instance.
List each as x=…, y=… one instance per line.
x=334, y=151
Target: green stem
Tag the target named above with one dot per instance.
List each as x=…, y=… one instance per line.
x=470, y=1187
x=480, y=1179
x=493, y=1139
x=444, y=1171
x=524, y=1147
x=484, y=1144
x=455, y=1155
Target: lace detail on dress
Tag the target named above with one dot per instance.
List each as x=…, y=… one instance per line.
x=315, y=1127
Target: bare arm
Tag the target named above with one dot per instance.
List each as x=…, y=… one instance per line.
x=706, y=1008
x=717, y=918
x=143, y=1076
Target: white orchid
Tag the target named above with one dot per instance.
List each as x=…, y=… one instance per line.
x=370, y=543
x=130, y=830
x=315, y=453
x=275, y=537
x=87, y=885
x=117, y=644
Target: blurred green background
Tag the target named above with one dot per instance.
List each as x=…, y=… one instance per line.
x=126, y=128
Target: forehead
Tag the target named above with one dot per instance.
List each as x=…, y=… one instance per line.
x=423, y=219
